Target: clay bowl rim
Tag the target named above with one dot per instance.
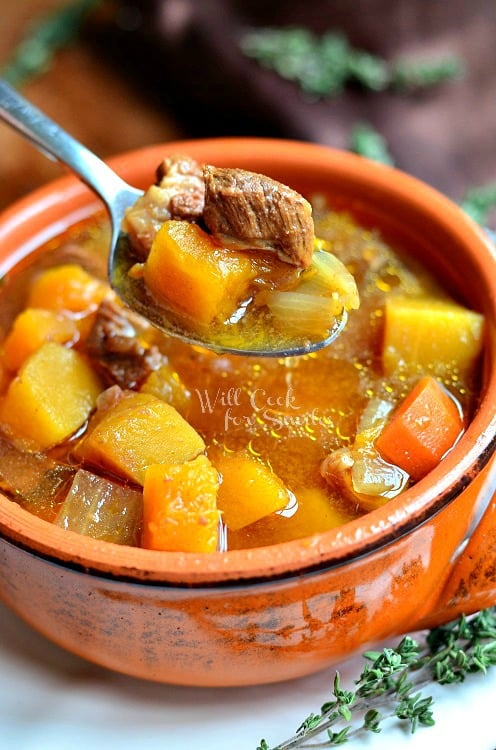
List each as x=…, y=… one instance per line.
x=67, y=201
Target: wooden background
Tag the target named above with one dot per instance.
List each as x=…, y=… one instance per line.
x=192, y=81
x=87, y=97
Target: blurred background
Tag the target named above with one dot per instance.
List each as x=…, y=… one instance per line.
x=409, y=82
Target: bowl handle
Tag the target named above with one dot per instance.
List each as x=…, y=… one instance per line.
x=471, y=579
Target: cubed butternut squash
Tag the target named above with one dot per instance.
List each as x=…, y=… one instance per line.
x=179, y=507
x=311, y=512
x=67, y=287
x=315, y=513
x=137, y=431
x=190, y=273
x=5, y=376
x=435, y=335
x=249, y=490
x=51, y=397
x=31, y=329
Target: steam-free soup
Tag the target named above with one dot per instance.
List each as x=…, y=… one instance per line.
x=110, y=429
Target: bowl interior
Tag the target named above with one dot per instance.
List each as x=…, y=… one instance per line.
x=411, y=216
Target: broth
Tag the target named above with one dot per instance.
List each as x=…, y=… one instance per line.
x=287, y=415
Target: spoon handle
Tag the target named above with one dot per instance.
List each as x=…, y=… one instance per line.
x=57, y=144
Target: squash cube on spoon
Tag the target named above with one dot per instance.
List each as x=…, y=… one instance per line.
x=194, y=275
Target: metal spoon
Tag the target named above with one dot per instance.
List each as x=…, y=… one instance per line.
x=117, y=195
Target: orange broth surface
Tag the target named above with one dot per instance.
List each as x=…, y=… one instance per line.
x=289, y=413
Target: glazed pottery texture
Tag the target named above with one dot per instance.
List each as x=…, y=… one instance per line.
x=274, y=613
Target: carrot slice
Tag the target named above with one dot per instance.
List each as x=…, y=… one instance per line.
x=423, y=428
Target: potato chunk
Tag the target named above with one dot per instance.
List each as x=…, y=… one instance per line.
x=179, y=507
x=248, y=491
x=135, y=432
x=193, y=275
x=432, y=334
x=51, y=397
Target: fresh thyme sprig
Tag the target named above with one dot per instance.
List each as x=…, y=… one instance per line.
x=323, y=66
x=479, y=202
x=392, y=682
x=366, y=141
x=44, y=38
x=407, y=75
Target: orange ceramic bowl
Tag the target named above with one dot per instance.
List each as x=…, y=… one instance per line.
x=278, y=612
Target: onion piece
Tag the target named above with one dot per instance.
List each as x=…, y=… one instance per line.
x=102, y=509
x=371, y=475
x=372, y=421
x=303, y=313
x=328, y=276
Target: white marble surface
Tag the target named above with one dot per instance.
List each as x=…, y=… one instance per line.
x=51, y=700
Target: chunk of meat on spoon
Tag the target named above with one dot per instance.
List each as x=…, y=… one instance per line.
x=244, y=210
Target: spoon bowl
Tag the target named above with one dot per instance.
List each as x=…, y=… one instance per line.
x=118, y=196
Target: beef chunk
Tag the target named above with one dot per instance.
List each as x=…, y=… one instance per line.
x=178, y=194
x=243, y=209
x=182, y=178
x=116, y=351
x=248, y=210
